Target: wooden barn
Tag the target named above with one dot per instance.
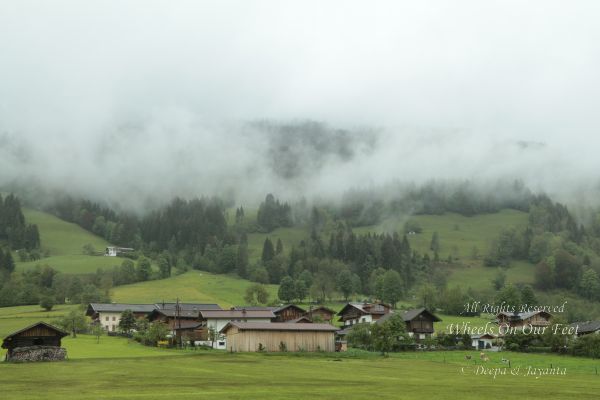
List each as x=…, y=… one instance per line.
x=279, y=336
x=40, y=341
x=288, y=312
x=321, y=312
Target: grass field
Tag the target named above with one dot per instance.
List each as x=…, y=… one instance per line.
x=193, y=286
x=14, y=318
x=458, y=234
x=65, y=241
x=222, y=375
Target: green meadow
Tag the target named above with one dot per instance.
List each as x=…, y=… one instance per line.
x=190, y=287
x=65, y=241
x=118, y=371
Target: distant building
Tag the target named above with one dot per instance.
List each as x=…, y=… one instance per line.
x=482, y=342
x=419, y=322
x=587, y=327
x=354, y=313
x=322, y=312
x=514, y=322
x=279, y=336
x=37, y=342
x=216, y=320
x=108, y=315
x=112, y=251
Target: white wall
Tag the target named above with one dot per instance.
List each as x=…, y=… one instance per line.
x=112, y=324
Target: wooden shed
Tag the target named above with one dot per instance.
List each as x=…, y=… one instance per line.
x=279, y=336
x=40, y=341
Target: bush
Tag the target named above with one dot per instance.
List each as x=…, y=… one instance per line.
x=47, y=302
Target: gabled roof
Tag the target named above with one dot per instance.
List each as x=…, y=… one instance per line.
x=255, y=308
x=172, y=313
x=59, y=332
x=303, y=320
x=587, y=326
x=119, y=307
x=321, y=308
x=409, y=315
x=285, y=307
x=524, y=315
x=484, y=336
x=279, y=326
x=365, y=308
x=188, y=306
x=236, y=314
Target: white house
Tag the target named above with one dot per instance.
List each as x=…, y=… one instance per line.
x=215, y=321
x=115, y=251
x=108, y=315
x=482, y=342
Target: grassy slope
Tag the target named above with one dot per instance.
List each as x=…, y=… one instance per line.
x=193, y=286
x=65, y=240
x=260, y=376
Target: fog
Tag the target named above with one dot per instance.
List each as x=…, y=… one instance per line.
x=138, y=101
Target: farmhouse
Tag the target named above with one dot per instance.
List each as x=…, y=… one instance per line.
x=173, y=315
x=481, y=342
x=37, y=342
x=586, y=328
x=109, y=315
x=419, y=322
x=288, y=313
x=279, y=336
x=511, y=322
x=115, y=251
x=354, y=313
x=321, y=312
x=216, y=320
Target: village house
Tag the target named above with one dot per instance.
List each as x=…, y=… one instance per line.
x=586, y=328
x=513, y=322
x=482, y=342
x=108, y=315
x=216, y=320
x=419, y=322
x=174, y=314
x=37, y=342
x=354, y=313
x=278, y=336
x=289, y=312
x=322, y=313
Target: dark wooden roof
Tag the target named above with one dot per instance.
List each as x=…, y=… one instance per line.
x=188, y=306
x=280, y=326
x=172, y=313
x=409, y=315
x=236, y=314
x=119, y=307
x=285, y=307
x=58, y=332
x=322, y=308
x=304, y=320
x=586, y=327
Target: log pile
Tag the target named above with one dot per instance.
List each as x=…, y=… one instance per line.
x=37, y=353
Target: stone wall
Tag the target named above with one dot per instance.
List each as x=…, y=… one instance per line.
x=37, y=353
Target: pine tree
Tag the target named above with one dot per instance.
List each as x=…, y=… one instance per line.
x=268, y=252
x=279, y=247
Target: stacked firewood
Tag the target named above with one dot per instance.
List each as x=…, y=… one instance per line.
x=37, y=353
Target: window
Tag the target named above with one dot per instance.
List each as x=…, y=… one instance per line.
x=107, y=318
x=221, y=343
x=114, y=318
x=112, y=328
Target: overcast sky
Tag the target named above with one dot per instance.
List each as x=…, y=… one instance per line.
x=151, y=97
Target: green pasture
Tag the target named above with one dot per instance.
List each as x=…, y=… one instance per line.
x=208, y=375
x=65, y=241
x=191, y=287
